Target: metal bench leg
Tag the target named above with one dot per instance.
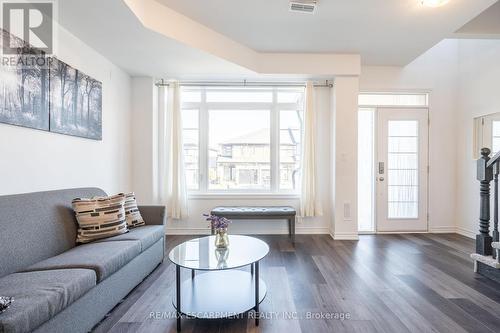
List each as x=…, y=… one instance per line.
x=291, y=226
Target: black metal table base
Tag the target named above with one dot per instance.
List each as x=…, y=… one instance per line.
x=178, y=295
x=256, y=264
x=201, y=297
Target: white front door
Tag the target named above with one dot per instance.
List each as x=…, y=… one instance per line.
x=402, y=169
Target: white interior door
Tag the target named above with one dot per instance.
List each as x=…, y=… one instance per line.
x=402, y=169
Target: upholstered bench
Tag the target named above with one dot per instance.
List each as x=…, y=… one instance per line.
x=259, y=213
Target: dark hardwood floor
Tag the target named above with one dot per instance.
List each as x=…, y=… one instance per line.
x=381, y=283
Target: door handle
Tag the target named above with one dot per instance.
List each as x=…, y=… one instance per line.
x=381, y=168
x=381, y=179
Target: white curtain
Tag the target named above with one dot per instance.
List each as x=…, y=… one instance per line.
x=309, y=203
x=173, y=191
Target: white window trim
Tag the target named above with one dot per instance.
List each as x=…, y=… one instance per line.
x=427, y=94
x=242, y=196
x=203, y=191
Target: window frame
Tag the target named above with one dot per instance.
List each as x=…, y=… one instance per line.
x=377, y=104
x=203, y=107
x=198, y=143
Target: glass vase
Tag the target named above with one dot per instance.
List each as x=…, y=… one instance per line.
x=221, y=238
x=221, y=254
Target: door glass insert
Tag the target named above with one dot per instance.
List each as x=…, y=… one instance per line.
x=402, y=169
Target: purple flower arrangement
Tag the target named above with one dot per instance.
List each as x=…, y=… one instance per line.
x=217, y=222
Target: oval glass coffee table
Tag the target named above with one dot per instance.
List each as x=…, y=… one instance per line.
x=221, y=290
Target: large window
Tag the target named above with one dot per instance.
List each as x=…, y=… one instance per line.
x=242, y=139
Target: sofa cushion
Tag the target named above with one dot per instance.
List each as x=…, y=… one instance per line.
x=37, y=226
x=39, y=296
x=132, y=213
x=146, y=235
x=100, y=217
x=104, y=258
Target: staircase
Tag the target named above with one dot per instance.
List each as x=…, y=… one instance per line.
x=488, y=266
x=487, y=256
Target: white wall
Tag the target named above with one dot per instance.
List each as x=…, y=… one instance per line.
x=344, y=136
x=144, y=139
x=436, y=72
x=33, y=160
x=478, y=94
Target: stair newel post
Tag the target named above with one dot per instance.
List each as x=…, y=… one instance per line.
x=485, y=176
x=494, y=234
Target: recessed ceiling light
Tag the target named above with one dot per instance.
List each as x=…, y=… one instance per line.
x=434, y=3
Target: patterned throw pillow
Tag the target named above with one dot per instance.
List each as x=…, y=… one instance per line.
x=5, y=303
x=100, y=217
x=132, y=213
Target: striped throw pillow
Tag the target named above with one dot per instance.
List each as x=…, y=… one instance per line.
x=132, y=213
x=100, y=217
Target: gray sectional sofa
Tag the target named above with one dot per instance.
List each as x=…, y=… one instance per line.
x=59, y=286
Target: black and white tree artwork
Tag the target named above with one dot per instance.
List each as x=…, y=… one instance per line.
x=49, y=94
x=23, y=89
x=75, y=102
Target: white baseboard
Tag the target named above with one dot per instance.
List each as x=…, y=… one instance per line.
x=312, y=230
x=187, y=231
x=442, y=230
x=465, y=232
x=435, y=230
x=315, y=231
x=399, y=232
x=274, y=231
x=345, y=236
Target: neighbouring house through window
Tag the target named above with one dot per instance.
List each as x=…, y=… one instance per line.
x=242, y=139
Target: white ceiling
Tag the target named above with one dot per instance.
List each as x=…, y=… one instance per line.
x=114, y=31
x=384, y=32
x=486, y=25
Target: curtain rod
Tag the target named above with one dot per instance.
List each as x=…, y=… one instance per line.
x=244, y=83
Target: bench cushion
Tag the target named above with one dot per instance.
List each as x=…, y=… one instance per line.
x=253, y=211
x=147, y=235
x=104, y=258
x=39, y=296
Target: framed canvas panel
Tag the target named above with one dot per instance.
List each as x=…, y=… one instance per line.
x=24, y=86
x=75, y=102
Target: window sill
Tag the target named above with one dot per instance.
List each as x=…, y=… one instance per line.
x=243, y=196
